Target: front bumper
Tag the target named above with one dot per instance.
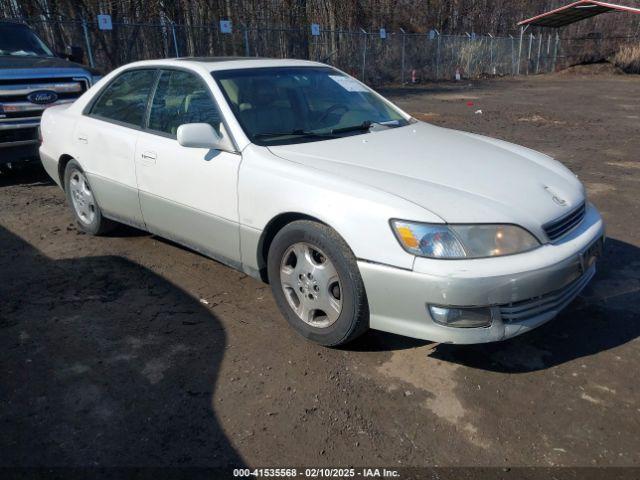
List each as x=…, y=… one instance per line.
x=18, y=141
x=524, y=291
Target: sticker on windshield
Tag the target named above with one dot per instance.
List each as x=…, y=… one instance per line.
x=349, y=84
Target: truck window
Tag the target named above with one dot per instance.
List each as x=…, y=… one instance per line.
x=20, y=41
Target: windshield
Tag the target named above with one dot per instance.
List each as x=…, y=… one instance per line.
x=284, y=105
x=19, y=40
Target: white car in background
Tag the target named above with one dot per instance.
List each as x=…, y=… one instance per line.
x=358, y=215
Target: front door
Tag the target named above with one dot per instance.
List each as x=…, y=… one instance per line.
x=187, y=194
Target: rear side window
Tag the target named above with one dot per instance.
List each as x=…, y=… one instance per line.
x=182, y=97
x=125, y=99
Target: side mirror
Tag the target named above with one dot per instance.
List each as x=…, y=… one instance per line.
x=74, y=53
x=202, y=135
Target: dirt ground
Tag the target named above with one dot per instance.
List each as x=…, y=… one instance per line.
x=129, y=350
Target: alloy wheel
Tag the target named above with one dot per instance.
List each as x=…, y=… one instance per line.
x=82, y=198
x=311, y=285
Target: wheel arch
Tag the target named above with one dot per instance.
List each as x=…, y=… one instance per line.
x=272, y=228
x=62, y=165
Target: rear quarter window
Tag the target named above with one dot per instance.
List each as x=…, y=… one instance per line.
x=125, y=99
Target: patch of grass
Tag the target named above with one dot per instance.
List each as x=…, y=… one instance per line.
x=628, y=58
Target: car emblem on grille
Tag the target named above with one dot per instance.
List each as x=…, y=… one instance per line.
x=556, y=197
x=42, y=97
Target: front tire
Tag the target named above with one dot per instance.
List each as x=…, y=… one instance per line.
x=83, y=202
x=315, y=280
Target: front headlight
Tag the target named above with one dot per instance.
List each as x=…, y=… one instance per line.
x=462, y=241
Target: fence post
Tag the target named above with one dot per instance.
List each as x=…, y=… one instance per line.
x=438, y=55
x=175, y=39
x=513, y=56
x=520, y=50
x=364, y=53
x=402, y=74
x=87, y=40
x=245, y=33
x=555, y=52
x=529, y=55
x=539, y=50
x=469, y=57
x=165, y=36
x=491, y=68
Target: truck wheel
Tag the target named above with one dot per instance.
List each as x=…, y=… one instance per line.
x=83, y=203
x=315, y=280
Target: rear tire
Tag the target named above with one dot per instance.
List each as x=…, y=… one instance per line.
x=83, y=203
x=316, y=283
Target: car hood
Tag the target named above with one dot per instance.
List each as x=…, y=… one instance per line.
x=14, y=62
x=458, y=176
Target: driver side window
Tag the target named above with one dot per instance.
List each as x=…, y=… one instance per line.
x=181, y=97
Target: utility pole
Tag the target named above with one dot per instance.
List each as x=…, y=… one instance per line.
x=175, y=38
x=245, y=34
x=403, y=40
x=364, y=53
x=87, y=40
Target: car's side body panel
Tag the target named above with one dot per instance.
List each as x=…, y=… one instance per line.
x=57, y=127
x=203, y=232
x=271, y=186
x=105, y=152
x=190, y=195
x=195, y=205
x=121, y=200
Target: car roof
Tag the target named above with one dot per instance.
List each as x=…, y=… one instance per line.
x=228, y=63
x=219, y=59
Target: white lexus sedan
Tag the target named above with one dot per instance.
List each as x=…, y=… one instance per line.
x=358, y=215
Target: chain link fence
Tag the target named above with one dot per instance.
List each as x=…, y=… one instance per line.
x=399, y=58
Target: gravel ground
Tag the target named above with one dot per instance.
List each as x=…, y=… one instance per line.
x=129, y=350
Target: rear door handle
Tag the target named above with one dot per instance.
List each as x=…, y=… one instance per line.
x=83, y=138
x=148, y=158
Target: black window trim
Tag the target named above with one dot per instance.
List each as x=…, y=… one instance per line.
x=158, y=69
x=87, y=109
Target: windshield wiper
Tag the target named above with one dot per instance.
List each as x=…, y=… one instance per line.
x=363, y=127
x=297, y=133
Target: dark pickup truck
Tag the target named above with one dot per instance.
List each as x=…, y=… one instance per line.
x=33, y=78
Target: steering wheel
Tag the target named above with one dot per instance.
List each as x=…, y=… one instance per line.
x=330, y=110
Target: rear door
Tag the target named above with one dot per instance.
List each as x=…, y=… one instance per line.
x=106, y=138
x=188, y=194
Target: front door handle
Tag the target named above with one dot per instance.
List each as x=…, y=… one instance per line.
x=148, y=158
x=83, y=138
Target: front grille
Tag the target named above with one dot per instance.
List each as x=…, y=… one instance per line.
x=9, y=98
x=18, y=135
x=565, y=224
x=30, y=114
x=550, y=302
x=13, y=94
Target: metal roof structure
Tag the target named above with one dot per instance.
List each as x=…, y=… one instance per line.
x=574, y=12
